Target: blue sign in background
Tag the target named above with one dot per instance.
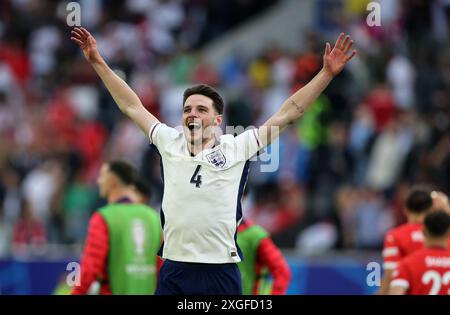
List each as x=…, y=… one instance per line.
x=31, y=277
x=341, y=276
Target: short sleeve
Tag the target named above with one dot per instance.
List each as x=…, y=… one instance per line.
x=247, y=144
x=160, y=135
x=391, y=252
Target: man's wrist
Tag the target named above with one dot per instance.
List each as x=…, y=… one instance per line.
x=96, y=60
x=327, y=73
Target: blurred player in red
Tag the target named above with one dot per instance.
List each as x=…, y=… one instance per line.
x=406, y=238
x=123, y=238
x=262, y=258
x=427, y=271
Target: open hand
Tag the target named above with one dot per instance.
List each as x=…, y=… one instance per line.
x=335, y=60
x=87, y=42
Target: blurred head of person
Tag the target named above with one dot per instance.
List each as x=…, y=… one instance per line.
x=202, y=113
x=141, y=190
x=115, y=180
x=418, y=203
x=440, y=201
x=437, y=228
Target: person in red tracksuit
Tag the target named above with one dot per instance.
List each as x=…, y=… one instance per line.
x=116, y=188
x=261, y=255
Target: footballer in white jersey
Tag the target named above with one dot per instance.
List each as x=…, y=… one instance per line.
x=204, y=181
x=201, y=206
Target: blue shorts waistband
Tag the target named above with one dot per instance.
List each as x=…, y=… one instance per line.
x=194, y=265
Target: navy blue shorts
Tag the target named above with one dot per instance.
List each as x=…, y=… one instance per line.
x=181, y=278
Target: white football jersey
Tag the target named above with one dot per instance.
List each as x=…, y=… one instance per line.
x=201, y=206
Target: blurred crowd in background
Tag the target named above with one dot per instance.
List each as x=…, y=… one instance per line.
x=345, y=167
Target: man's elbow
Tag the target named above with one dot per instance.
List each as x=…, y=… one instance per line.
x=132, y=110
x=127, y=108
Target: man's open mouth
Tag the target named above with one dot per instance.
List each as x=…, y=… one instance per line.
x=194, y=126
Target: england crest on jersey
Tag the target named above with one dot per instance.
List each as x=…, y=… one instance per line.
x=217, y=158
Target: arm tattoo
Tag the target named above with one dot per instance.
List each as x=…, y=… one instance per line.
x=299, y=108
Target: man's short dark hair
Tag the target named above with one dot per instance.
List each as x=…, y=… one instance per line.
x=437, y=223
x=419, y=200
x=207, y=91
x=124, y=171
x=142, y=186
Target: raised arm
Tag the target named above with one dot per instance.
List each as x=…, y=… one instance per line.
x=298, y=103
x=128, y=102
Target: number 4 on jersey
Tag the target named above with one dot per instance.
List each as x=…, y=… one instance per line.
x=197, y=178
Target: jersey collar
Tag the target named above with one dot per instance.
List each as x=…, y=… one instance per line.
x=192, y=154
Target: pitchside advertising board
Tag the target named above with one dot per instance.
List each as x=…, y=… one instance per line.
x=336, y=276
